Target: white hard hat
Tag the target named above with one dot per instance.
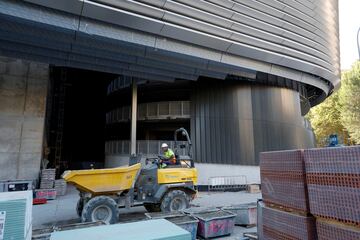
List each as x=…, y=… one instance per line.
x=164, y=145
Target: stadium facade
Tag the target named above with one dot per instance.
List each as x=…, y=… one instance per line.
x=239, y=74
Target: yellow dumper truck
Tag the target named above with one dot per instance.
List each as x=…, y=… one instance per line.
x=103, y=191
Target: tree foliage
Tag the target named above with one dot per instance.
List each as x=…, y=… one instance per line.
x=340, y=113
x=326, y=120
x=349, y=99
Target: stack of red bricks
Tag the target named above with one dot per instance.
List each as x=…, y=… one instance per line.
x=284, y=191
x=299, y=186
x=278, y=224
x=333, y=178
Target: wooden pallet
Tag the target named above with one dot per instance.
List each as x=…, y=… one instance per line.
x=246, y=225
x=287, y=209
x=339, y=222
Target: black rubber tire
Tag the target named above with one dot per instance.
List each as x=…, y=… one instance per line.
x=103, y=203
x=175, y=195
x=79, y=207
x=152, y=207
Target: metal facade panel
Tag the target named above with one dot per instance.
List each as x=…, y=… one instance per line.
x=72, y=6
x=233, y=123
x=300, y=35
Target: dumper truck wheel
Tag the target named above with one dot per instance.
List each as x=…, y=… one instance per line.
x=152, y=207
x=79, y=207
x=175, y=200
x=101, y=208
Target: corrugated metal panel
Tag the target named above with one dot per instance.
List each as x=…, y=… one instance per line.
x=232, y=123
x=301, y=35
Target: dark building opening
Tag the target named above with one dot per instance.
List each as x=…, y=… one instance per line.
x=75, y=118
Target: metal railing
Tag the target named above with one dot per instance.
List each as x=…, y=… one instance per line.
x=119, y=83
x=147, y=148
x=151, y=111
x=226, y=183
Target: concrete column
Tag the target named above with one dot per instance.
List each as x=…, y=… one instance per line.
x=23, y=89
x=133, y=116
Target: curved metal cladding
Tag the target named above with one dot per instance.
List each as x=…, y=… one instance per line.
x=169, y=39
x=232, y=123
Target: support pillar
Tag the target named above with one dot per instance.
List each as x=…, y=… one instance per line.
x=133, y=116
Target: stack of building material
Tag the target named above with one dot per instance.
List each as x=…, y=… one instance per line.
x=150, y=230
x=333, y=178
x=283, y=180
x=49, y=194
x=16, y=215
x=279, y=224
x=332, y=230
x=60, y=187
x=286, y=213
x=47, y=178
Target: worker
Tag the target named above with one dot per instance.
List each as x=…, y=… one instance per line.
x=168, y=157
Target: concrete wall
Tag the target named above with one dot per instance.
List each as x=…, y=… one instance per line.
x=23, y=89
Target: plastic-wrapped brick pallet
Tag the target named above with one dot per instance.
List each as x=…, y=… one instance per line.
x=331, y=230
x=283, y=179
x=60, y=187
x=47, y=178
x=283, y=225
x=333, y=178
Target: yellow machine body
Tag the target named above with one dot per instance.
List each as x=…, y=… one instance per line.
x=177, y=175
x=103, y=181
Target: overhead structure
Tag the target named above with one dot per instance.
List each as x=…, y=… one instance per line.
x=183, y=39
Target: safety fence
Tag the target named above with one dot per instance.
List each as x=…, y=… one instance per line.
x=227, y=183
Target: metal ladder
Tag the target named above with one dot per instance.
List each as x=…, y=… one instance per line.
x=60, y=120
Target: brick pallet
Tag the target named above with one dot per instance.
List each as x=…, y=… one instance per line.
x=332, y=230
x=47, y=178
x=60, y=187
x=283, y=180
x=280, y=225
x=333, y=178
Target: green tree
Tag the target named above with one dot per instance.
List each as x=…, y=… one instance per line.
x=350, y=101
x=326, y=120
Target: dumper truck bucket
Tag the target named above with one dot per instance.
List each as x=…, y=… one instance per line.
x=103, y=181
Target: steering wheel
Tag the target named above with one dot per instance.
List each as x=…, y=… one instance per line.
x=153, y=161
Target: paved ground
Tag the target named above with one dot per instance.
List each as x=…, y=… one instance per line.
x=62, y=210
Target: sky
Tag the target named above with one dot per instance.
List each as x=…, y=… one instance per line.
x=349, y=25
